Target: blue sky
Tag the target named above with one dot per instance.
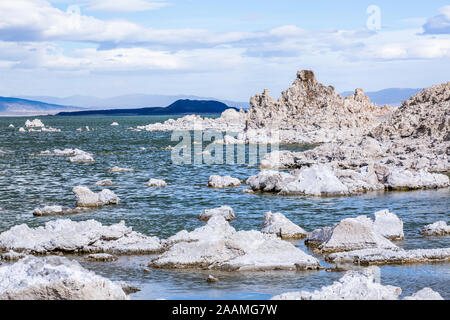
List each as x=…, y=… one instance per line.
x=226, y=49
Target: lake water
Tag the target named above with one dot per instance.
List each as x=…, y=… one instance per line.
x=27, y=182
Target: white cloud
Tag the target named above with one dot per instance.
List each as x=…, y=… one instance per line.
x=439, y=24
x=124, y=6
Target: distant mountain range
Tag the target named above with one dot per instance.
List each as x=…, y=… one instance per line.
x=178, y=107
x=391, y=96
x=131, y=101
x=44, y=105
x=16, y=106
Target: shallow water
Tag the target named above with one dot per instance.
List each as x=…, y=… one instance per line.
x=27, y=182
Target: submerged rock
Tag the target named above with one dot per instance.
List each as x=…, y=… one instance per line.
x=55, y=278
x=101, y=257
x=68, y=236
x=223, y=182
x=57, y=211
x=106, y=182
x=387, y=256
x=439, y=228
x=354, y=285
x=118, y=169
x=87, y=198
x=156, y=183
x=224, y=211
x=219, y=246
x=278, y=224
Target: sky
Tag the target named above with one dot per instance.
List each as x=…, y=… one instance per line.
x=224, y=49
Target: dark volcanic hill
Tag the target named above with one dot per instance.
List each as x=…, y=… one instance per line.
x=178, y=107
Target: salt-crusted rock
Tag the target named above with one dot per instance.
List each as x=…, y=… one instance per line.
x=231, y=115
x=278, y=224
x=78, y=237
x=218, y=246
x=118, y=169
x=75, y=155
x=212, y=279
x=223, y=182
x=388, y=225
x=350, y=234
x=101, y=257
x=229, y=140
x=11, y=126
x=389, y=256
x=87, y=198
x=22, y=130
x=36, y=123
x=439, y=228
x=106, y=182
x=353, y=285
x=315, y=181
x=224, y=211
x=114, y=124
x=156, y=183
x=57, y=211
x=318, y=236
x=425, y=294
x=55, y=278
x=401, y=179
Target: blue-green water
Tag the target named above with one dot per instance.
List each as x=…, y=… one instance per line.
x=27, y=182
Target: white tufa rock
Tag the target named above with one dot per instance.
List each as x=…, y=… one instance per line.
x=87, y=198
x=11, y=126
x=57, y=211
x=353, y=285
x=114, y=124
x=390, y=256
x=401, y=179
x=219, y=246
x=55, y=278
x=223, y=182
x=106, y=182
x=101, y=257
x=439, y=228
x=224, y=211
x=349, y=235
x=36, y=123
x=68, y=236
x=425, y=294
x=156, y=183
x=388, y=225
x=278, y=224
x=22, y=130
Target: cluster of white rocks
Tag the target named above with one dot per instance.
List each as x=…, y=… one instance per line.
x=324, y=180
x=439, y=228
x=74, y=155
x=230, y=121
x=223, y=182
x=403, y=151
x=359, y=285
x=219, y=246
x=55, y=278
x=36, y=126
x=86, y=198
x=67, y=236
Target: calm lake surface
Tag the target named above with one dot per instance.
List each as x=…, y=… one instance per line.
x=27, y=182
